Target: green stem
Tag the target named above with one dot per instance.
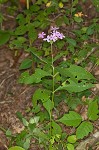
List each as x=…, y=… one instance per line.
x=53, y=88
x=27, y=4
x=52, y=75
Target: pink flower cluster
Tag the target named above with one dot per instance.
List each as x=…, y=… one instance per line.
x=54, y=35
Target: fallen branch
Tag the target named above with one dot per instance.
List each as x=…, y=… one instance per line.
x=89, y=142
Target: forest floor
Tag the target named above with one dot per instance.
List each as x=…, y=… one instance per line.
x=15, y=97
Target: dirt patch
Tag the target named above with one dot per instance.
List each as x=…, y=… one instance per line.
x=13, y=96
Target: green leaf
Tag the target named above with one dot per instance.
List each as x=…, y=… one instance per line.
x=97, y=62
x=71, y=41
x=72, y=139
x=34, y=120
x=21, y=19
x=32, y=34
x=37, y=76
x=4, y=37
x=8, y=133
x=70, y=146
x=36, y=109
x=84, y=129
x=96, y=4
x=77, y=79
x=93, y=110
x=23, y=77
x=60, y=55
x=71, y=48
x=75, y=72
x=59, y=21
x=41, y=94
x=3, y=1
x=36, y=23
x=18, y=43
x=78, y=19
x=90, y=30
x=66, y=20
x=25, y=122
x=71, y=119
x=44, y=96
x=49, y=105
x=43, y=115
x=27, y=144
x=21, y=39
x=21, y=30
x=38, y=133
x=80, y=73
x=34, y=8
x=56, y=129
x=34, y=78
x=36, y=54
x=19, y=115
x=65, y=0
x=16, y=148
x=26, y=63
x=72, y=86
x=74, y=3
x=31, y=127
x=60, y=44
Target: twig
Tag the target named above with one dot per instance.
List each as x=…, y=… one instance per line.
x=3, y=102
x=25, y=90
x=9, y=16
x=6, y=79
x=57, y=16
x=53, y=20
x=83, y=59
x=2, y=129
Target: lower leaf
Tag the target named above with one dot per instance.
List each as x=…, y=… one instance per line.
x=16, y=148
x=84, y=129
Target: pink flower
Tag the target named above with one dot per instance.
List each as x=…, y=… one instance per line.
x=54, y=28
x=53, y=36
x=59, y=35
x=50, y=38
x=41, y=35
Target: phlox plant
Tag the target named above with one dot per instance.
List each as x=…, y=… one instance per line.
x=56, y=78
x=55, y=83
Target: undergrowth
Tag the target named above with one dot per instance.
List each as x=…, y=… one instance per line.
x=61, y=42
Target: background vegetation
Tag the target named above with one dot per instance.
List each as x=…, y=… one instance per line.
x=58, y=70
